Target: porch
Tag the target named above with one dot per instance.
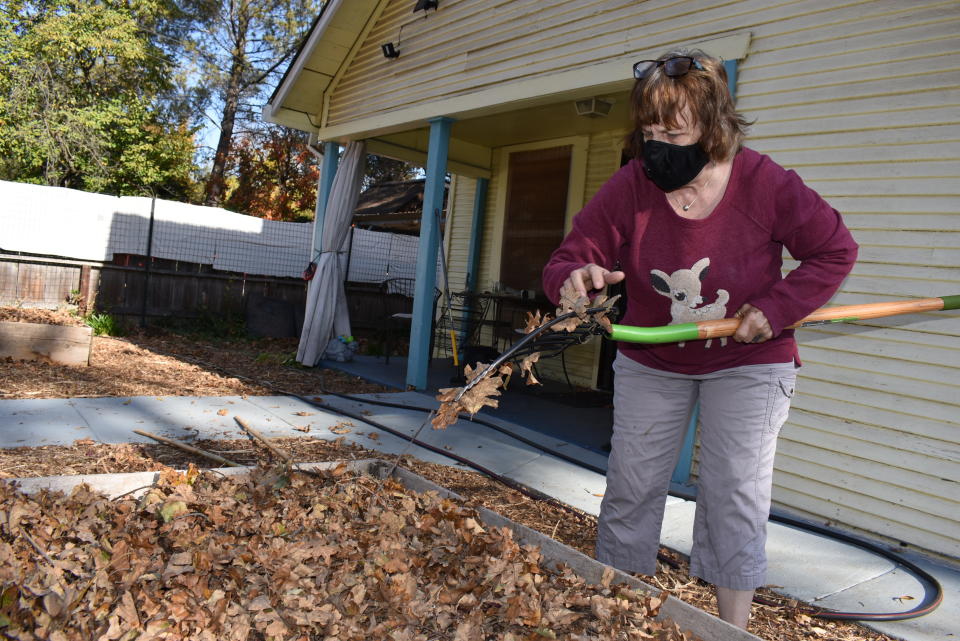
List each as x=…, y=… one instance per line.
x=564, y=415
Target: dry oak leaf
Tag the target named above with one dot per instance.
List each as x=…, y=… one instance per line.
x=341, y=428
x=526, y=368
x=534, y=321
x=179, y=563
x=448, y=413
x=478, y=396
x=222, y=412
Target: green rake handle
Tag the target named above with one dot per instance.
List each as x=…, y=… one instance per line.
x=824, y=315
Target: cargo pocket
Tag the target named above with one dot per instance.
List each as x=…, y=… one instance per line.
x=783, y=388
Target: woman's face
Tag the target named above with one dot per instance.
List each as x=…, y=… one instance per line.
x=683, y=134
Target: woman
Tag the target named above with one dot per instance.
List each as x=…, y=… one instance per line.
x=696, y=225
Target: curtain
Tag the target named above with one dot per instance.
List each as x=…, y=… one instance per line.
x=326, y=316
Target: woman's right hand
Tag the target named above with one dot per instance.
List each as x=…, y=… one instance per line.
x=589, y=277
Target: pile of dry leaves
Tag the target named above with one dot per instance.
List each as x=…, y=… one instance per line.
x=262, y=556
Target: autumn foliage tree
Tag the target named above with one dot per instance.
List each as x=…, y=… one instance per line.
x=272, y=174
x=241, y=47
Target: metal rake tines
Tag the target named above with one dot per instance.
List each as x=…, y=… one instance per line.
x=590, y=328
x=553, y=344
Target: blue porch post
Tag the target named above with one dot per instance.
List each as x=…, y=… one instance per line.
x=681, y=473
x=433, y=190
x=328, y=169
x=476, y=233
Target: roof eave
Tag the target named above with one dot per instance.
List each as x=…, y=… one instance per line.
x=271, y=110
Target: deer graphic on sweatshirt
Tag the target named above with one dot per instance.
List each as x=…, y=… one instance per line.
x=682, y=287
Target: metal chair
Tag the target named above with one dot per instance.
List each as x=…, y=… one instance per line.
x=396, y=299
x=463, y=314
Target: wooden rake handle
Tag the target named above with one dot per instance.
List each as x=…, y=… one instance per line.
x=822, y=316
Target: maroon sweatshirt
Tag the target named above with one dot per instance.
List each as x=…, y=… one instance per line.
x=680, y=270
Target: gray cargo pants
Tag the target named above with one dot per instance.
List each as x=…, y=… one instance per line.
x=741, y=412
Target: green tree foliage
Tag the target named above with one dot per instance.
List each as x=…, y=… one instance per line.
x=274, y=175
x=80, y=87
x=380, y=169
x=242, y=47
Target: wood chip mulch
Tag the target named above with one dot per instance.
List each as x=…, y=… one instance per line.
x=157, y=364
x=152, y=362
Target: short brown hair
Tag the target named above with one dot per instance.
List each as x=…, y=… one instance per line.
x=659, y=99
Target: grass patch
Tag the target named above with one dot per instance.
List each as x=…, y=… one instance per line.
x=286, y=359
x=103, y=324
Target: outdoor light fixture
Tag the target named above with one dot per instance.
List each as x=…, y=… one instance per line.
x=393, y=51
x=593, y=107
x=389, y=51
x=425, y=4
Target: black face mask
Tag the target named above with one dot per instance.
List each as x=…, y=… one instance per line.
x=672, y=166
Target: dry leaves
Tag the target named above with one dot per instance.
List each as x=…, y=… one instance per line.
x=489, y=381
x=478, y=393
x=526, y=368
x=343, y=427
x=208, y=557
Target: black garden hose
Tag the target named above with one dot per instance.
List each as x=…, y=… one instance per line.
x=933, y=591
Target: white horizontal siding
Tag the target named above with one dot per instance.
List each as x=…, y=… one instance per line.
x=468, y=44
x=456, y=241
x=458, y=230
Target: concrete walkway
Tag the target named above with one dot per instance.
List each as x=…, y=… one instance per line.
x=806, y=566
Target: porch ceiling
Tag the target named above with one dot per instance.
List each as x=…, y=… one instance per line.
x=473, y=139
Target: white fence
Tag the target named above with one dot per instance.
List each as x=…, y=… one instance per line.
x=54, y=221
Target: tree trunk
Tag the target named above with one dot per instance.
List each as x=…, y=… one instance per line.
x=214, y=193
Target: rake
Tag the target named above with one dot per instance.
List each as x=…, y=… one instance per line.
x=705, y=329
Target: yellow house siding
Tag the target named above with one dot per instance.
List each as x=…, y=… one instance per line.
x=456, y=242
x=862, y=99
x=468, y=45
x=864, y=103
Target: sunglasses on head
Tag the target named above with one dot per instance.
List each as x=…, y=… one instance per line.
x=674, y=67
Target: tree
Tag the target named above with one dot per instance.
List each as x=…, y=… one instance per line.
x=242, y=47
x=275, y=175
x=79, y=83
x=380, y=169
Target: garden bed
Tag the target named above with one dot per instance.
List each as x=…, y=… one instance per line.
x=154, y=362
x=228, y=555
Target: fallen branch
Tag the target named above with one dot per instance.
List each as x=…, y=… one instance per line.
x=36, y=546
x=276, y=451
x=188, y=448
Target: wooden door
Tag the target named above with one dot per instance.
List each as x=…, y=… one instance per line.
x=537, y=183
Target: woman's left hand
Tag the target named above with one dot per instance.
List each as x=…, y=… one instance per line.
x=754, y=326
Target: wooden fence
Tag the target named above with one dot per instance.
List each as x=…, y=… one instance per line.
x=132, y=292
x=173, y=292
